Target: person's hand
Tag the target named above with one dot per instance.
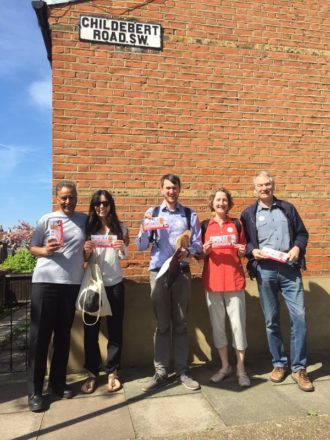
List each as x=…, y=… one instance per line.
x=52, y=246
x=293, y=254
x=118, y=245
x=184, y=253
x=258, y=255
x=207, y=247
x=89, y=246
x=240, y=249
x=148, y=215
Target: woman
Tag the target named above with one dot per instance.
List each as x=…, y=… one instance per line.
x=224, y=282
x=103, y=221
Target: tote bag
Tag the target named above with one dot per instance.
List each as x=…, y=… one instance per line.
x=92, y=298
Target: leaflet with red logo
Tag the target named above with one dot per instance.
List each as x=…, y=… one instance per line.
x=154, y=223
x=56, y=231
x=282, y=257
x=223, y=241
x=103, y=241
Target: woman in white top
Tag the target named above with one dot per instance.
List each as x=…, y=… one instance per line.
x=103, y=220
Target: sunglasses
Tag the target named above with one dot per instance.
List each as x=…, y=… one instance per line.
x=104, y=203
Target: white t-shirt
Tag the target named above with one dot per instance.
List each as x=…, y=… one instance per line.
x=64, y=266
x=108, y=260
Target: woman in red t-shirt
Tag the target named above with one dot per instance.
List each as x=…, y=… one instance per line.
x=224, y=283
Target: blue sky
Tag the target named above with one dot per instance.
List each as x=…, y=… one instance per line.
x=25, y=116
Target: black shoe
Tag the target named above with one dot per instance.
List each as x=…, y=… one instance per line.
x=63, y=391
x=35, y=402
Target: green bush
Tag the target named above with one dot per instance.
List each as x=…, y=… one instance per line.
x=21, y=262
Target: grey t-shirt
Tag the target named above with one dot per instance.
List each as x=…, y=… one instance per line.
x=64, y=266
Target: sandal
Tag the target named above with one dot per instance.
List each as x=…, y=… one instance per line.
x=88, y=387
x=113, y=382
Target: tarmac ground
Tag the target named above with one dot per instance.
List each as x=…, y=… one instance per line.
x=225, y=411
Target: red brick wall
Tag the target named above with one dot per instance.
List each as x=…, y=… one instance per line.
x=238, y=87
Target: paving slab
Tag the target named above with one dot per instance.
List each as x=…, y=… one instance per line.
x=259, y=403
x=88, y=417
x=13, y=397
x=20, y=425
x=173, y=415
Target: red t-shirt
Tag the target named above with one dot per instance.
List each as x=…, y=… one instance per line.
x=223, y=270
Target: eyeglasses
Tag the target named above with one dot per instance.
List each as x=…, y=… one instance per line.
x=104, y=203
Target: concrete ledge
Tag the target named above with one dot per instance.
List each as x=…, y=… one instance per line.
x=139, y=324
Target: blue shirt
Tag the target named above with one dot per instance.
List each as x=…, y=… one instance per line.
x=164, y=246
x=273, y=228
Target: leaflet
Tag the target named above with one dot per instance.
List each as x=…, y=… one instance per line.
x=223, y=241
x=282, y=257
x=103, y=241
x=154, y=223
x=56, y=231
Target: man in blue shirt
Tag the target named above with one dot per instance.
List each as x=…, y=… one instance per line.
x=276, y=224
x=170, y=302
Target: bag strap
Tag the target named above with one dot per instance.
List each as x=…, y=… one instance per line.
x=155, y=213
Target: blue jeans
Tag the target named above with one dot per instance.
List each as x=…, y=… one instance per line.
x=272, y=278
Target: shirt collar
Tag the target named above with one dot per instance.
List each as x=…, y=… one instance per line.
x=163, y=207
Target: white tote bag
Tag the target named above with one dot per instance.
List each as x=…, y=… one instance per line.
x=92, y=298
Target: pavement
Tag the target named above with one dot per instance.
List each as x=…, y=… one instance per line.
x=226, y=411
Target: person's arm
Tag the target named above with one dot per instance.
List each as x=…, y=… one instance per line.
x=300, y=237
x=47, y=250
x=142, y=240
x=37, y=246
x=195, y=247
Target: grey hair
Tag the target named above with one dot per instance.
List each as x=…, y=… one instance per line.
x=65, y=184
x=263, y=174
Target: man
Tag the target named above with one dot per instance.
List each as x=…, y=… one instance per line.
x=170, y=302
x=58, y=243
x=276, y=224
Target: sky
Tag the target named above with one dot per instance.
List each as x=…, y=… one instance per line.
x=25, y=116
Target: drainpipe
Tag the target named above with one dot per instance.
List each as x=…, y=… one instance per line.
x=41, y=10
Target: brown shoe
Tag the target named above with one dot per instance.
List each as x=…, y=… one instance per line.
x=302, y=380
x=277, y=375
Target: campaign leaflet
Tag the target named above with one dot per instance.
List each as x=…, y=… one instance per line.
x=154, y=223
x=282, y=257
x=103, y=241
x=56, y=231
x=223, y=241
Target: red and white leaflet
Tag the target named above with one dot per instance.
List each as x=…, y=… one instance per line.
x=154, y=223
x=103, y=241
x=56, y=231
x=282, y=257
x=223, y=241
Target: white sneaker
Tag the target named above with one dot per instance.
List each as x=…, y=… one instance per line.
x=243, y=379
x=221, y=375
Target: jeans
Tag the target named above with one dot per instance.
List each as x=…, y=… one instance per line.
x=93, y=360
x=170, y=307
x=272, y=278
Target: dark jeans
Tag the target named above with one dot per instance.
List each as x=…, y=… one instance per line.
x=52, y=312
x=93, y=359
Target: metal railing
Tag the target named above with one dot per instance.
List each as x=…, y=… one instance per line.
x=15, y=294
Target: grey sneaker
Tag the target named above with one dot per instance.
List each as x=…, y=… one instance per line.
x=189, y=383
x=243, y=379
x=156, y=382
x=221, y=375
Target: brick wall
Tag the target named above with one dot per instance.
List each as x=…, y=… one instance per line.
x=238, y=87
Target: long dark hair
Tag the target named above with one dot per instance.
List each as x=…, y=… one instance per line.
x=94, y=223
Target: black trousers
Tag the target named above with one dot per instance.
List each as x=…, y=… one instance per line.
x=52, y=313
x=93, y=359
